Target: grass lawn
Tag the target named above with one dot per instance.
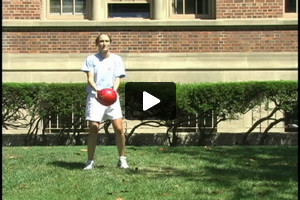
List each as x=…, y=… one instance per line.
x=167, y=173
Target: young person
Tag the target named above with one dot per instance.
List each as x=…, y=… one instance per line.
x=104, y=70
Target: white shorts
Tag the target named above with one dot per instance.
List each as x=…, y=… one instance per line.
x=98, y=113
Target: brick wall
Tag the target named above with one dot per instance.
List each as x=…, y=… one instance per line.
x=21, y=9
x=31, y=9
x=48, y=41
x=151, y=42
x=234, y=9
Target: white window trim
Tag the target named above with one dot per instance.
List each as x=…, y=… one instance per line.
x=69, y=16
x=290, y=15
x=127, y=2
x=210, y=15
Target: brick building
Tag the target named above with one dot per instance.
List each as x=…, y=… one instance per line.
x=160, y=40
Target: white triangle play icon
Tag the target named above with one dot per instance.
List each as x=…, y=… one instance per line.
x=149, y=101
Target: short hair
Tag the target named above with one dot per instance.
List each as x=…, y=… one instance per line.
x=98, y=37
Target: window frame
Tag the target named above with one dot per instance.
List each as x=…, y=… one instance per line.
x=196, y=124
x=70, y=16
x=290, y=15
x=129, y=2
x=210, y=15
x=54, y=123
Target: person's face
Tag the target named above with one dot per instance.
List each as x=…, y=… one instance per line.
x=104, y=43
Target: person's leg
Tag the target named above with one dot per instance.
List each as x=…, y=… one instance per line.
x=91, y=144
x=120, y=136
x=120, y=142
x=92, y=139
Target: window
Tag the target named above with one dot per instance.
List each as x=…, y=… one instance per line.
x=195, y=123
x=291, y=8
x=55, y=123
x=65, y=8
x=193, y=8
x=125, y=10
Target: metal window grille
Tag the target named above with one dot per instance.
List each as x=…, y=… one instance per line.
x=192, y=6
x=195, y=123
x=56, y=123
x=70, y=7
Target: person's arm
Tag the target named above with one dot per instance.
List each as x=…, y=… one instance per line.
x=117, y=83
x=90, y=80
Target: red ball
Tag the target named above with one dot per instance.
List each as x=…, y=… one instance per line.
x=107, y=96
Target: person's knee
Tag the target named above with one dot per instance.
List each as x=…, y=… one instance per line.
x=119, y=130
x=94, y=127
x=118, y=126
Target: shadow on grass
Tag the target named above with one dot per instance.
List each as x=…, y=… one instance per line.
x=68, y=165
x=268, y=169
x=72, y=165
x=267, y=163
x=154, y=171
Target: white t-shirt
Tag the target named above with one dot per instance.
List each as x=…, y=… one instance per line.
x=105, y=70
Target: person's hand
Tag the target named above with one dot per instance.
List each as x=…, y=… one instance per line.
x=97, y=91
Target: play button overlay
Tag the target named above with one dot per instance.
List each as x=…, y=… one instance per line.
x=150, y=100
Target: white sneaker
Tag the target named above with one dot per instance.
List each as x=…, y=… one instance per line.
x=123, y=163
x=89, y=165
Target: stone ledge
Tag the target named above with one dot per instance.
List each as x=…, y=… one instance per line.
x=149, y=23
x=159, y=61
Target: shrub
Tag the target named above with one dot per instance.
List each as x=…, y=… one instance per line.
x=225, y=100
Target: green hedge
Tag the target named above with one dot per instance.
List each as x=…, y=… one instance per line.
x=227, y=100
